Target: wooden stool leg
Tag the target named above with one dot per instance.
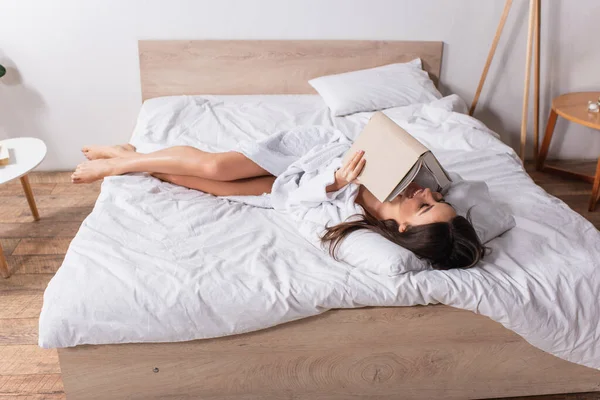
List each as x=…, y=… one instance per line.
x=3, y=265
x=595, y=189
x=547, y=139
x=30, y=199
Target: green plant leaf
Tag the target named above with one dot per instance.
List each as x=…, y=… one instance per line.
x=2, y=71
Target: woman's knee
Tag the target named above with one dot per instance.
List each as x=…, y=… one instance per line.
x=200, y=163
x=227, y=166
x=211, y=167
x=221, y=167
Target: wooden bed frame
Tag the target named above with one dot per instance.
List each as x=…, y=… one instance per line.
x=430, y=352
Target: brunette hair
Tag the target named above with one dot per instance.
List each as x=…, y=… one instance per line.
x=447, y=245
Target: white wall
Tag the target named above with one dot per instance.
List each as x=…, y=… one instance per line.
x=73, y=68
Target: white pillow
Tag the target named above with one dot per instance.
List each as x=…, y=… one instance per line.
x=488, y=218
x=370, y=251
x=377, y=88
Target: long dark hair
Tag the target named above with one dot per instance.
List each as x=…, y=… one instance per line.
x=447, y=245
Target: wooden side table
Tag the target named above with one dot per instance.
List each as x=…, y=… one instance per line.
x=572, y=107
x=25, y=154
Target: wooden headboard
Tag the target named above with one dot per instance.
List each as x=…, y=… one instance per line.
x=175, y=67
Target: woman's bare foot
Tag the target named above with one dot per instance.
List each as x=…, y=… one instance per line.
x=100, y=152
x=91, y=171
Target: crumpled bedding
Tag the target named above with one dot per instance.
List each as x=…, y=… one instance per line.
x=159, y=263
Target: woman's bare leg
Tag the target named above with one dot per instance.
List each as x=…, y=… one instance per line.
x=242, y=187
x=180, y=160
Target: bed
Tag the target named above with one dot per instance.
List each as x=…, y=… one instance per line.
x=432, y=351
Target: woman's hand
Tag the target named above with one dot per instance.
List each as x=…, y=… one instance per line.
x=349, y=172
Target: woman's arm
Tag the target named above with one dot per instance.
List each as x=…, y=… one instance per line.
x=240, y=187
x=349, y=172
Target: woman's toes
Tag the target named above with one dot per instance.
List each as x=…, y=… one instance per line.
x=91, y=171
x=91, y=152
x=128, y=147
x=79, y=175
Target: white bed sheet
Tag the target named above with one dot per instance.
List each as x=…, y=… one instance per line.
x=158, y=263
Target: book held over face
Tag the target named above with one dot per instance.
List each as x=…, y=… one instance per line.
x=394, y=159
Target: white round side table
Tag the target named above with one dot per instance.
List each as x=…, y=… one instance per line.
x=24, y=155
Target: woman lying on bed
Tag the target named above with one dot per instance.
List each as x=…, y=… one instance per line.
x=418, y=219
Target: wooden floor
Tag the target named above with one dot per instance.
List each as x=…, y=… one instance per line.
x=35, y=251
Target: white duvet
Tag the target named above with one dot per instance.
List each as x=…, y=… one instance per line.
x=158, y=263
